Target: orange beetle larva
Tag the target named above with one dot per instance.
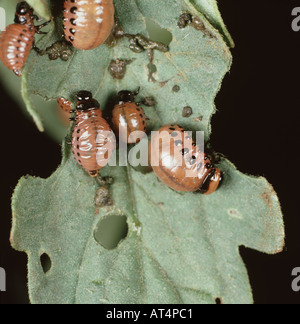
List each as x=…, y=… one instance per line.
x=202, y=175
x=65, y=110
x=88, y=23
x=128, y=117
x=18, y=38
x=65, y=105
x=93, y=140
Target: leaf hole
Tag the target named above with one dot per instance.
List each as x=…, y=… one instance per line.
x=110, y=231
x=46, y=263
x=158, y=34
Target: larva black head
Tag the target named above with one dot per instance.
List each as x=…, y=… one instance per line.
x=24, y=13
x=212, y=181
x=127, y=96
x=86, y=101
x=84, y=96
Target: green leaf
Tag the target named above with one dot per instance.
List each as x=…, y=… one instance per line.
x=210, y=10
x=180, y=247
x=42, y=7
x=193, y=56
x=43, y=113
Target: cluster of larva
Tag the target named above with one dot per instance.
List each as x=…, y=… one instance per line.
x=92, y=130
x=92, y=134
x=87, y=24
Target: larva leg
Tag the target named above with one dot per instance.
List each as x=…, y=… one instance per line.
x=35, y=17
x=38, y=28
x=38, y=50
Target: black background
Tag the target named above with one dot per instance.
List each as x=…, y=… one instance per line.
x=256, y=127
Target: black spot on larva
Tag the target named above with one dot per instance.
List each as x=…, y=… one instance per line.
x=73, y=10
x=141, y=115
x=73, y=21
x=78, y=147
x=208, y=166
x=193, y=160
x=172, y=128
x=185, y=151
x=78, y=154
x=143, y=122
x=72, y=31
x=138, y=109
x=178, y=143
x=174, y=134
x=78, y=131
x=71, y=39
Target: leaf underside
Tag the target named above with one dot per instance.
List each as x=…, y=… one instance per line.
x=180, y=247
x=42, y=7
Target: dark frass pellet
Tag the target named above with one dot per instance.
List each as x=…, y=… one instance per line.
x=187, y=112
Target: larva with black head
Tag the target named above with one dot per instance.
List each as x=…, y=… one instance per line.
x=93, y=141
x=128, y=117
x=18, y=38
x=88, y=23
x=191, y=170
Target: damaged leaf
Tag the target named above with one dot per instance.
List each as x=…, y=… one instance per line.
x=178, y=247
